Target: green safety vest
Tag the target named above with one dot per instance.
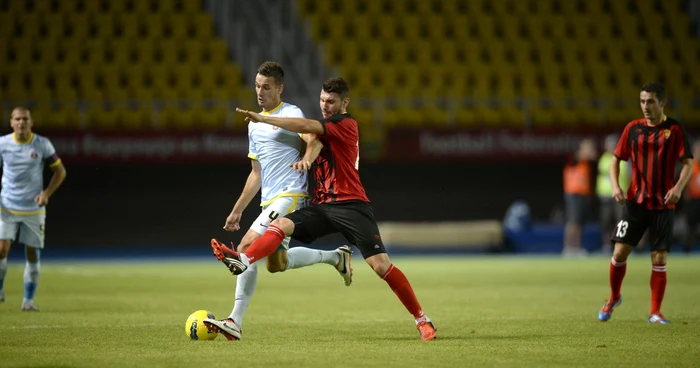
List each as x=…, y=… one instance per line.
x=603, y=186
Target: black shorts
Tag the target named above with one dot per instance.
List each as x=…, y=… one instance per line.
x=353, y=219
x=576, y=208
x=637, y=219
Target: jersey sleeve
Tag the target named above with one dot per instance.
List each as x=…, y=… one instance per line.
x=339, y=127
x=622, y=151
x=252, y=152
x=49, y=154
x=683, y=144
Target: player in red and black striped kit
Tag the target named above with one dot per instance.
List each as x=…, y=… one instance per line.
x=339, y=205
x=654, y=145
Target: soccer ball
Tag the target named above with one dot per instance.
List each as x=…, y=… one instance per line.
x=195, y=328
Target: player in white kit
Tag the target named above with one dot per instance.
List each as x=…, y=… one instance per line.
x=23, y=198
x=280, y=171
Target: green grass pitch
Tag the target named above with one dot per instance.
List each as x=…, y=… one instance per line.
x=489, y=311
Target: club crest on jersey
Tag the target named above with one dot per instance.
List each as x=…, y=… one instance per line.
x=34, y=155
x=667, y=133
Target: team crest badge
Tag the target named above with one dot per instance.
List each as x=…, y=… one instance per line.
x=667, y=133
x=34, y=155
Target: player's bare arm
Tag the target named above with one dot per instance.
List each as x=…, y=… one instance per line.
x=251, y=188
x=313, y=149
x=617, y=193
x=674, y=195
x=59, y=175
x=298, y=125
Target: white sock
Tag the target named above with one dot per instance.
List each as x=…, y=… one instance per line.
x=31, y=279
x=301, y=257
x=422, y=318
x=3, y=271
x=245, y=286
x=244, y=259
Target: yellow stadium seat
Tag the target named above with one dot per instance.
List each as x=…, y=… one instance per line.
x=511, y=26
x=30, y=24
x=217, y=52
x=437, y=27
x=38, y=84
x=410, y=27
x=434, y=116
x=137, y=118
x=178, y=26
x=487, y=116
x=47, y=51
x=152, y=26
x=92, y=7
x=104, y=25
x=168, y=51
x=79, y=26
x=69, y=94
x=204, y=28
x=121, y=52
x=71, y=116
x=510, y=114
x=53, y=25
x=192, y=6
x=144, y=51
x=96, y=51
x=129, y=25
x=210, y=117
x=689, y=111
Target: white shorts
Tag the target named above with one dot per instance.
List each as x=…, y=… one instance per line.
x=282, y=206
x=30, y=227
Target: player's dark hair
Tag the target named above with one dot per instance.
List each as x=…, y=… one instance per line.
x=656, y=88
x=272, y=69
x=337, y=85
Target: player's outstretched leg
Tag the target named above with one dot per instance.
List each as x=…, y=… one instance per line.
x=398, y=282
x=340, y=258
x=229, y=257
x=344, y=265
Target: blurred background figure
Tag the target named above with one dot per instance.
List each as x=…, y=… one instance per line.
x=692, y=203
x=578, y=188
x=610, y=211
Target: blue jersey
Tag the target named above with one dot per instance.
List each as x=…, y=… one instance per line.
x=23, y=172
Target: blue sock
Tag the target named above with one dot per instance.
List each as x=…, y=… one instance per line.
x=31, y=278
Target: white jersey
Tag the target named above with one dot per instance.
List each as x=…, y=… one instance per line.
x=23, y=172
x=277, y=149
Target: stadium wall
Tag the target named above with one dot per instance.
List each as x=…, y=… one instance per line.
x=125, y=207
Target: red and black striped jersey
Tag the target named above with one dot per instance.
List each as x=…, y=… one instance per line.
x=336, y=168
x=654, y=152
